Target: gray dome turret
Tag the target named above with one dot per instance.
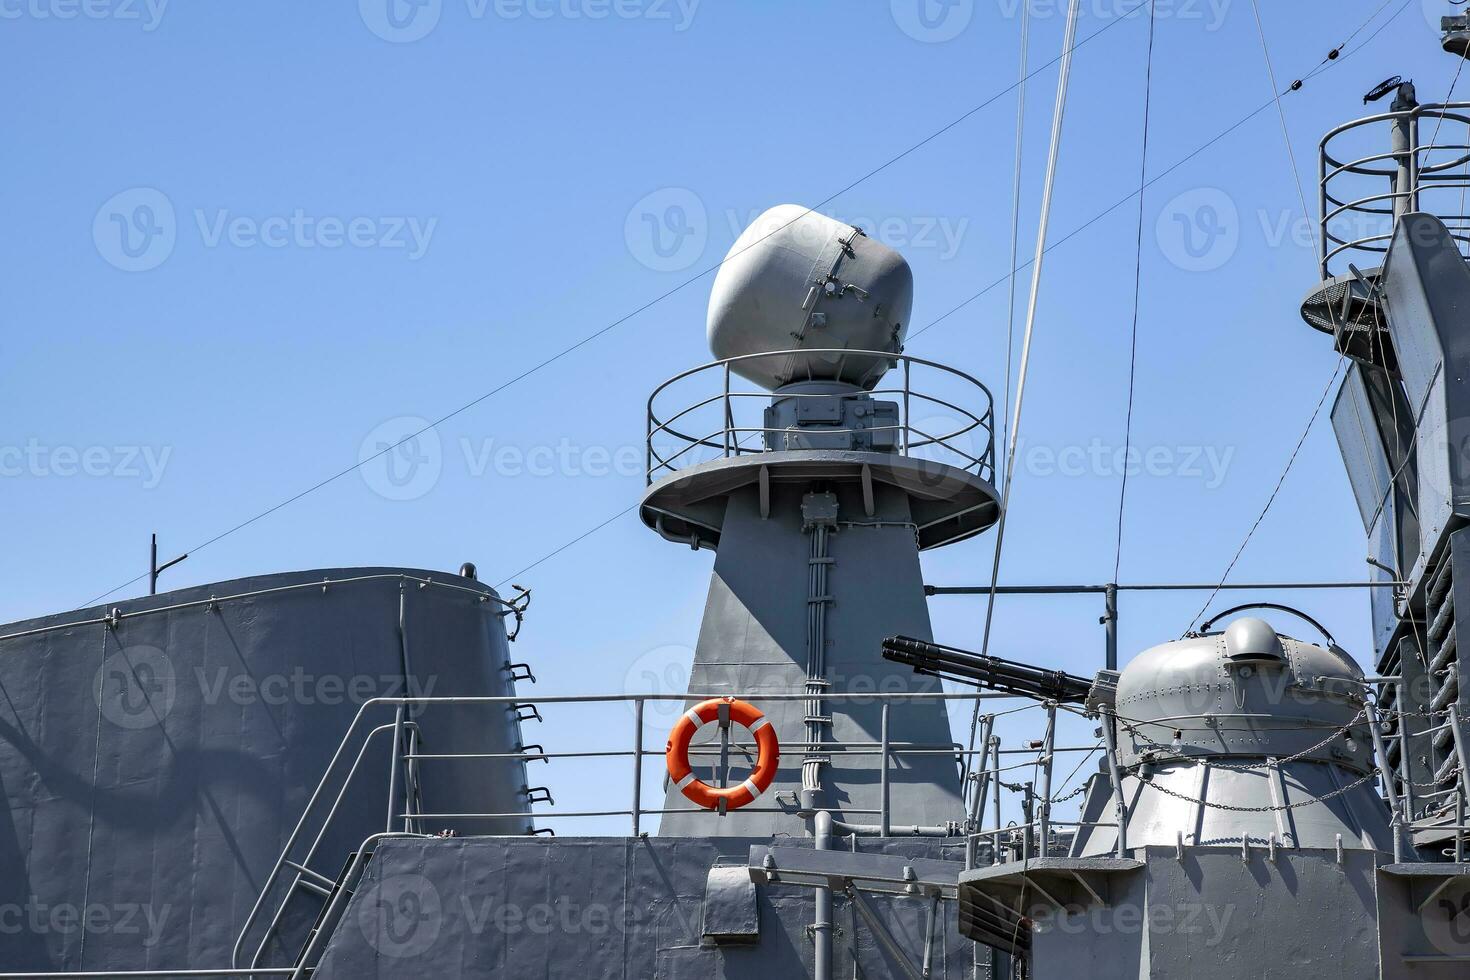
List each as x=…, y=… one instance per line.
x=1244, y=734
x=796, y=279
x=1247, y=691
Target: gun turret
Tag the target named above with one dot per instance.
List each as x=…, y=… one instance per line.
x=983, y=670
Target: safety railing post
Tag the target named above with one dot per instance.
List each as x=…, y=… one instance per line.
x=1115, y=773
x=883, y=811
x=907, y=419
x=1044, y=812
x=637, y=766
x=729, y=419
x=980, y=779
x=1403, y=726
x=995, y=802
x=394, y=755
x=1380, y=752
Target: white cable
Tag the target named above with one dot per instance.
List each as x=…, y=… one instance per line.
x=1063, y=77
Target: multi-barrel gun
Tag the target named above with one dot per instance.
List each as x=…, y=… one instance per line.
x=983, y=670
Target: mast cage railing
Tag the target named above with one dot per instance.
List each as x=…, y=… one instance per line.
x=729, y=438
x=1409, y=171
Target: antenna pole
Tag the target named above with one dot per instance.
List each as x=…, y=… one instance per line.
x=154, y=568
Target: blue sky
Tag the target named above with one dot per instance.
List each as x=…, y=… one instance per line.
x=337, y=220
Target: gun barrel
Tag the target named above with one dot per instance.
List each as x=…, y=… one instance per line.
x=986, y=671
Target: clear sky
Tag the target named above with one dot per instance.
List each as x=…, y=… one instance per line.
x=244, y=241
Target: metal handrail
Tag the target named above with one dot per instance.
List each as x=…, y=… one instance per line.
x=728, y=437
x=1408, y=168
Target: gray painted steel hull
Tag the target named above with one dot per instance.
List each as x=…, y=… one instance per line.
x=152, y=770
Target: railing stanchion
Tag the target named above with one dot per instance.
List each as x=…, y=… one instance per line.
x=1044, y=813
x=729, y=420
x=995, y=802
x=908, y=421
x=1115, y=773
x=637, y=766
x=884, y=819
x=1404, y=770
x=394, y=753
x=980, y=777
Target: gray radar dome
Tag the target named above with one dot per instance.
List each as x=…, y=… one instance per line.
x=796, y=280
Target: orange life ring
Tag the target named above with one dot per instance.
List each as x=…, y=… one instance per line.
x=768, y=754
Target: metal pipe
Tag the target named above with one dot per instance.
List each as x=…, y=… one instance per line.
x=637, y=766
x=1120, y=806
x=1453, y=711
x=880, y=932
x=1381, y=752
x=1404, y=751
x=1149, y=587
x=822, y=917
x=995, y=802
x=483, y=594
x=927, y=968
x=883, y=809
x=981, y=783
x=1110, y=625
x=1045, y=811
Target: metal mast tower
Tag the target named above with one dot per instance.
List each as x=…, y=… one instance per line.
x=818, y=489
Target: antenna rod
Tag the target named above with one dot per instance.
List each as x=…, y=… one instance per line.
x=154, y=568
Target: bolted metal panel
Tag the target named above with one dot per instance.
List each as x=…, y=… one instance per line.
x=153, y=766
